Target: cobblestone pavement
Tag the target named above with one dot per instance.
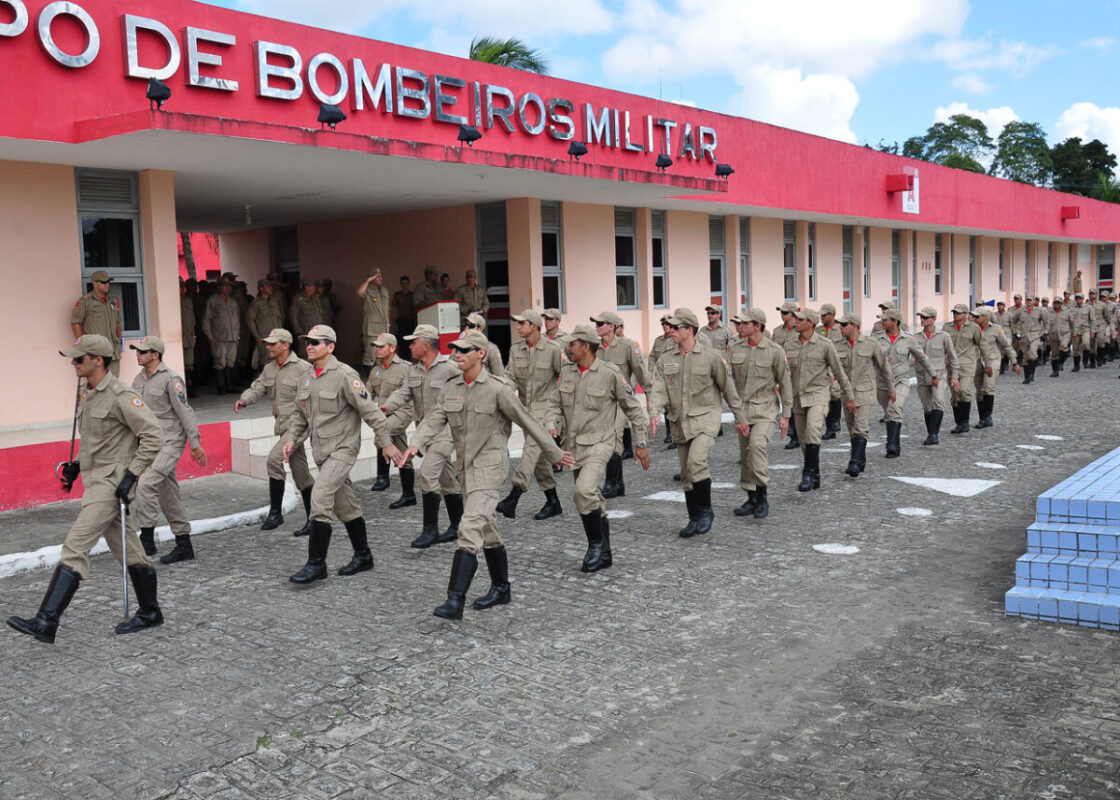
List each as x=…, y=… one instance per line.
x=742, y=664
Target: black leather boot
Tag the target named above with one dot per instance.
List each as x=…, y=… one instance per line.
x=763, y=505
x=408, y=494
x=747, y=509
x=318, y=543
x=220, y=382
x=832, y=420
x=627, y=445
x=793, y=442
x=454, y=503
x=363, y=558
x=702, y=492
x=499, y=579
x=1062, y=360
x=1028, y=372
x=689, y=530
x=463, y=565
x=430, y=532
x=929, y=428
x=668, y=433
x=60, y=591
x=275, y=516
x=608, y=556
x=593, y=529
x=935, y=426
x=148, y=539
x=810, y=472
x=183, y=550
x=508, y=505
x=989, y=402
x=381, y=482
x=856, y=459
x=551, y=507
x=306, y=529
x=148, y=614
x=615, y=485
x=894, y=439
x=962, y=411
x=1054, y=368
x=1076, y=364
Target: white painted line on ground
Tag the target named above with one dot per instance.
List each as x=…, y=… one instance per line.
x=914, y=512
x=672, y=497
x=725, y=486
x=784, y=466
x=958, y=487
x=834, y=549
x=874, y=444
x=990, y=465
x=1048, y=438
x=619, y=514
x=1030, y=447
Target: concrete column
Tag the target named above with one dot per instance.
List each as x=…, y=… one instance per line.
x=159, y=246
x=523, y=245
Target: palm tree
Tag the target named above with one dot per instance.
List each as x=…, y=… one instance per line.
x=510, y=52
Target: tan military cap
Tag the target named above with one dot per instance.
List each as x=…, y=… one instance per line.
x=684, y=316
x=714, y=307
x=828, y=308
x=1079, y=295
x=582, y=333
x=228, y=277
x=101, y=275
x=321, y=332
x=1057, y=300
x=891, y=313
x=753, y=314
x=92, y=344
x=929, y=312
x=552, y=313
x=469, y=340
x=809, y=314
x=278, y=335
x=887, y=304
x=147, y=344
x=474, y=318
x=530, y=316
x=384, y=339
x=607, y=317
x=665, y=319
x=1016, y=297
x=981, y=311
x=787, y=308
x=307, y=282
x=849, y=317
x=471, y=273
x=960, y=308
x=431, y=271
x=423, y=332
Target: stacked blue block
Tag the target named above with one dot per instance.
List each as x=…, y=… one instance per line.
x=1071, y=570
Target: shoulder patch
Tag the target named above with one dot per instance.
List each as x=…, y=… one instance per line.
x=136, y=401
x=116, y=303
x=78, y=304
x=357, y=384
x=638, y=349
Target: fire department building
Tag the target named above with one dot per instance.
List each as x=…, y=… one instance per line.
x=93, y=176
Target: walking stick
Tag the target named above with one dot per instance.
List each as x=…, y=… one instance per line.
x=65, y=471
x=124, y=558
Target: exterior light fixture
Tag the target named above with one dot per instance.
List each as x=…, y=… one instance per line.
x=723, y=170
x=663, y=162
x=330, y=115
x=158, y=92
x=469, y=134
x=577, y=149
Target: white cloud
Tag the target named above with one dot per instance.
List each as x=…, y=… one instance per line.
x=972, y=83
x=978, y=55
x=1102, y=44
x=820, y=104
x=1090, y=121
x=993, y=118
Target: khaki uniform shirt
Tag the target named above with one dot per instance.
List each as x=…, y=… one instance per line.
x=813, y=364
x=1014, y=323
x=493, y=360
x=480, y=417
x=688, y=388
x=330, y=408
x=993, y=342
x=306, y=314
x=99, y=316
x=996, y=318
x=383, y=381
x=718, y=338
x=783, y=334
x=865, y=364
x=421, y=388
x=375, y=310
x=589, y=403
x=966, y=340
x=938, y=348
x=118, y=432
x=535, y=371
x=1060, y=328
x=166, y=395
x=425, y=294
x=472, y=300
x=1081, y=317
x=265, y=315
x=281, y=382
x=221, y=321
x=626, y=354
x=1031, y=324
x=659, y=346
x=899, y=352
x=1100, y=317
x=757, y=371
x=187, y=320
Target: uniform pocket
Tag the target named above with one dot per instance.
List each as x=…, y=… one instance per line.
x=329, y=402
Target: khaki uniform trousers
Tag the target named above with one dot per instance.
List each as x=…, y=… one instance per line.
x=477, y=529
x=754, y=466
x=158, y=489
x=301, y=473
x=859, y=423
x=225, y=354
x=693, y=456
x=935, y=398
x=589, y=477
x=1101, y=339
x=620, y=426
x=892, y=411
x=437, y=470
x=1082, y=342
x=809, y=420
x=984, y=384
x=333, y=492
x=100, y=517
x=1027, y=348
x=532, y=465
x=964, y=394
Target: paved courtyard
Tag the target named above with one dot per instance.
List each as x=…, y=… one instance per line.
x=741, y=664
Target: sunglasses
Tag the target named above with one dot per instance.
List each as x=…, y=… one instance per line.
x=467, y=349
x=144, y=352
x=713, y=313
x=79, y=359
x=105, y=282
x=317, y=342
x=675, y=327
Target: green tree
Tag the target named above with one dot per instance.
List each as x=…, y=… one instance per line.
x=510, y=52
x=1108, y=189
x=962, y=142
x=1078, y=167
x=1022, y=154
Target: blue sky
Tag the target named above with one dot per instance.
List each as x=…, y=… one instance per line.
x=855, y=70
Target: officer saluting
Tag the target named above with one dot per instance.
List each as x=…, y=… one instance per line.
x=120, y=439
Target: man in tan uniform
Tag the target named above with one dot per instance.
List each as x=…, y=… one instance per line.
x=715, y=332
x=1028, y=326
x=306, y=312
x=120, y=438
x=221, y=324
x=831, y=331
x=591, y=392
x=966, y=337
x=759, y=367
x=1101, y=330
x=688, y=386
x=100, y=313
x=992, y=344
x=166, y=395
x=375, y=316
x=477, y=322
x=471, y=297
x=187, y=324
x=281, y=379
x=428, y=291
x=478, y=408
x=813, y=364
x=625, y=354
x=661, y=344
x=331, y=405
x=1081, y=318
x=865, y=364
x=266, y=314
x=534, y=369
x=386, y=375
x=438, y=474
x=552, y=330
x=1059, y=335
x=782, y=334
x=900, y=348
x=934, y=385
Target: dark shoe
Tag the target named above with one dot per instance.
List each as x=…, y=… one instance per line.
x=463, y=565
x=60, y=591
x=677, y=477
x=614, y=486
x=454, y=503
x=961, y=412
x=763, y=508
x=381, y=482
x=498, y=565
x=689, y=530
x=148, y=614
x=702, y=492
x=183, y=551
x=508, y=506
x=551, y=507
x=934, y=427
x=306, y=529
x=894, y=439
x=429, y=534
x=275, y=516
x=747, y=509
x=792, y=444
x=317, y=544
x=987, y=403
x=408, y=494
x=627, y=445
x=1076, y=364
x=828, y=433
x=608, y=556
x=363, y=558
x=148, y=539
x=857, y=458
x=810, y=473
x=832, y=420
x=593, y=529
x=1054, y=370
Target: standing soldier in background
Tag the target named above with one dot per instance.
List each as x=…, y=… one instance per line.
x=590, y=394
x=782, y=334
x=404, y=310
x=326, y=301
x=100, y=313
x=688, y=385
x=187, y=323
x=761, y=373
x=715, y=333
x=265, y=316
x=1059, y=334
x=446, y=294
x=1077, y=287
x=386, y=375
x=428, y=291
x=375, y=318
x=552, y=330
x=221, y=325
x=534, y=369
x=831, y=331
x=660, y=345
x=966, y=336
x=246, y=344
x=305, y=310
x=281, y=379
x=472, y=297
x=493, y=360
x=164, y=393
x=944, y=373
x=900, y=348
x=865, y=364
x=993, y=342
x=120, y=438
x=1081, y=318
x=625, y=354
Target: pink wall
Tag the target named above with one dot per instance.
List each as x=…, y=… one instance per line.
x=206, y=251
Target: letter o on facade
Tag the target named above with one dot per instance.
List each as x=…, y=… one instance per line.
x=313, y=79
x=532, y=98
x=19, y=18
x=47, y=17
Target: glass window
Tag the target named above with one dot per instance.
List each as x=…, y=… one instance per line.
x=896, y=264
x=812, y=266
x=657, y=257
x=847, y=264
x=745, y=260
x=937, y=264
x=625, y=262
x=552, y=271
x=789, y=261
x=866, y=261
x=1001, y=287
